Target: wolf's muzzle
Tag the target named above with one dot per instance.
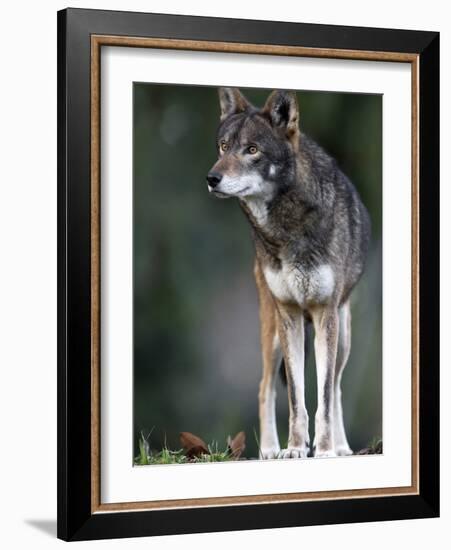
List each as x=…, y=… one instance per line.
x=213, y=179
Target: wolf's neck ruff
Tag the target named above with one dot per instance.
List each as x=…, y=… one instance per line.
x=256, y=209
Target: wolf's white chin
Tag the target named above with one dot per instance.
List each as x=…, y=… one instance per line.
x=250, y=185
x=218, y=194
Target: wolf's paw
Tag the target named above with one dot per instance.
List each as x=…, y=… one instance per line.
x=343, y=450
x=325, y=454
x=294, y=452
x=270, y=452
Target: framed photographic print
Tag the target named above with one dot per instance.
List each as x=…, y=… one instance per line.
x=265, y=361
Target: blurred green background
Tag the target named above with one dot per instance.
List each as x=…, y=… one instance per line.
x=197, y=361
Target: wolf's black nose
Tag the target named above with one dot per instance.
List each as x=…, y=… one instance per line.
x=213, y=179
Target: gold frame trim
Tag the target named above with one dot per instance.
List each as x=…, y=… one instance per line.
x=97, y=41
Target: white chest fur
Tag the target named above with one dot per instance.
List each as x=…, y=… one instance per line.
x=291, y=284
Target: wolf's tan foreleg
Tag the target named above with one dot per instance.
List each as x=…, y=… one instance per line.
x=290, y=325
x=344, y=348
x=269, y=440
x=325, y=320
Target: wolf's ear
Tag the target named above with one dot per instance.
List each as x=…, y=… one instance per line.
x=232, y=101
x=282, y=109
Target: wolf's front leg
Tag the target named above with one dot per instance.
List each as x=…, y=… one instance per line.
x=291, y=334
x=325, y=320
x=269, y=440
x=344, y=348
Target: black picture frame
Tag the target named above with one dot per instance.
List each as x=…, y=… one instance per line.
x=76, y=520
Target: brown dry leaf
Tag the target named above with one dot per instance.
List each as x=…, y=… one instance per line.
x=237, y=444
x=193, y=445
x=365, y=451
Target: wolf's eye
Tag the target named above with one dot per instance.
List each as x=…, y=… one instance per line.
x=223, y=146
x=252, y=150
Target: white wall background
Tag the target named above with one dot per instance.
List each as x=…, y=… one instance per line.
x=28, y=270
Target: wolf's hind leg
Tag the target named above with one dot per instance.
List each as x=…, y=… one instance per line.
x=271, y=355
x=344, y=348
x=325, y=319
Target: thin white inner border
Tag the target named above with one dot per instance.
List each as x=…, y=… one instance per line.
x=120, y=481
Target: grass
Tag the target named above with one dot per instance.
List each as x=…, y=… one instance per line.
x=215, y=454
x=375, y=445
x=166, y=456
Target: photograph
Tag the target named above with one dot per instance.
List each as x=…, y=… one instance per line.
x=257, y=321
